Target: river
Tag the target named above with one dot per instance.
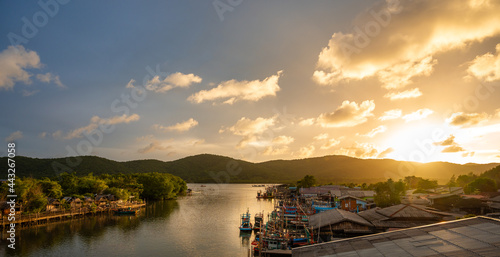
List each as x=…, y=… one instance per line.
x=204, y=224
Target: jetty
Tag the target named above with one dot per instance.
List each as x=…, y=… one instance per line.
x=33, y=219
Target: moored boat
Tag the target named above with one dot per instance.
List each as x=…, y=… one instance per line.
x=126, y=211
x=259, y=220
x=245, y=226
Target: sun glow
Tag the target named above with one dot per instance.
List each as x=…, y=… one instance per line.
x=415, y=141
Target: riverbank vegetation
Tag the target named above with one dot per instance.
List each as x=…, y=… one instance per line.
x=34, y=194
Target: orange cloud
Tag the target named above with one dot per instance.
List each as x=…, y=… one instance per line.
x=396, y=41
x=467, y=119
x=349, y=114
x=486, y=66
x=232, y=91
x=180, y=127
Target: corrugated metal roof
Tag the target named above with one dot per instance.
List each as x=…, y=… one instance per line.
x=335, y=216
x=403, y=216
x=408, y=211
x=479, y=236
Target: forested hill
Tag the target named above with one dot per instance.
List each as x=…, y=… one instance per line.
x=206, y=168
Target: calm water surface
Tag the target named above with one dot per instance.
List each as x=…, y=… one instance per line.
x=204, y=224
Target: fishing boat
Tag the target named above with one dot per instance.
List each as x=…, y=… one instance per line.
x=126, y=211
x=259, y=220
x=245, y=226
x=269, y=194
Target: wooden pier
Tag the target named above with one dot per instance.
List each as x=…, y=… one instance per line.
x=23, y=220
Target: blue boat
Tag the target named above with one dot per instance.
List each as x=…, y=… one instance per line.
x=126, y=211
x=245, y=226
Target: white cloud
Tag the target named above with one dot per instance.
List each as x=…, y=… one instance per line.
x=14, y=136
x=95, y=122
x=283, y=140
x=306, y=151
x=359, y=150
x=400, y=75
x=307, y=122
x=391, y=114
x=49, y=77
x=273, y=150
x=486, y=66
x=171, y=81
x=375, y=131
x=180, y=127
x=418, y=115
x=413, y=93
x=13, y=64
x=232, y=91
x=384, y=153
x=397, y=52
x=467, y=119
x=349, y=114
x=249, y=129
x=330, y=143
x=321, y=136
x=42, y=135
x=153, y=146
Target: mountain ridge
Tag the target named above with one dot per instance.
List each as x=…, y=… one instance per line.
x=209, y=168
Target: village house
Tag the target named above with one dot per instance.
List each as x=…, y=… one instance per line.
x=352, y=204
x=74, y=202
x=53, y=205
x=105, y=200
x=494, y=204
x=336, y=223
x=403, y=216
x=466, y=237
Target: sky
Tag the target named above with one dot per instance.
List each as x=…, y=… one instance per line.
x=414, y=80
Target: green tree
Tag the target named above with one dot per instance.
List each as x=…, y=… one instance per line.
x=412, y=181
x=120, y=193
x=51, y=188
x=307, y=181
x=91, y=184
x=426, y=184
x=389, y=193
x=452, y=182
x=463, y=180
x=482, y=185
x=69, y=183
x=157, y=186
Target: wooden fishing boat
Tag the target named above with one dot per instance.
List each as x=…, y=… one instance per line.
x=126, y=211
x=245, y=226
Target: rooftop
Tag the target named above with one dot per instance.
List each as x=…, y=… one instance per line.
x=478, y=236
x=335, y=216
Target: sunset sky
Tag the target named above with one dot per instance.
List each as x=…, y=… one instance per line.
x=255, y=80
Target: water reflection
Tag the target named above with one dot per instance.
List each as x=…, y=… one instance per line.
x=204, y=224
x=85, y=230
x=245, y=238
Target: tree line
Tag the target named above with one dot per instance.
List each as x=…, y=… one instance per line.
x=33, y=193
x=389, y=193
